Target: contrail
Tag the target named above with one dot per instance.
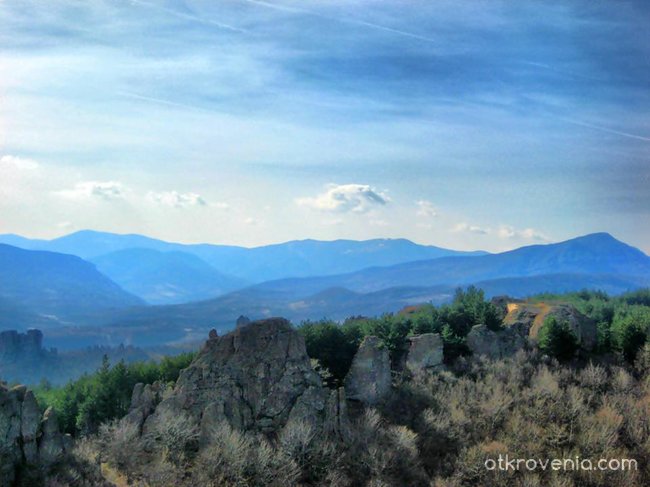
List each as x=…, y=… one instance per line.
x=560, y=71
x=362, y=23
x=193, y=18
x=604, y=129
x=161, y=101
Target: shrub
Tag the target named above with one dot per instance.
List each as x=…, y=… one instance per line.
x=556, y=339
x=629, y=331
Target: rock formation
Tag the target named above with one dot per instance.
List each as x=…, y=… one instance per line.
x=369, y=378
x=144, y=400
x=27, y=439
x=258, y=377
x=497, y=344
x=531, y=316
x=425, y=353
x=242, y=321
x=14, y=345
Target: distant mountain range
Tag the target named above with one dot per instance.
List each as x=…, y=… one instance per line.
x=298, y=258
x=47, y=289
x=598, y=253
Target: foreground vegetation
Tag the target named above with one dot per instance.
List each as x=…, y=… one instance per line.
x=434, y=430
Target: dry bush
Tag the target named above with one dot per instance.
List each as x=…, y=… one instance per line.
x=235, y=458
x=120, y=442
x=175, y=434
x=439, y=434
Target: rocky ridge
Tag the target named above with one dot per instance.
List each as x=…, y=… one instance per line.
x=28, y=439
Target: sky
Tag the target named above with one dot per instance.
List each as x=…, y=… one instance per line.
x=467, y=125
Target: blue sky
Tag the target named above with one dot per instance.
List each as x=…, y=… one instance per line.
x=462, y=124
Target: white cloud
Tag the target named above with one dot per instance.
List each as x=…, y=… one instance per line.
x=509, y=232
x=378, y=223
x=180, y=200
x=426, y=209
x=13, y=163
x=65, y=226
x=103, y=190
x=465, y=227
x=357, y=198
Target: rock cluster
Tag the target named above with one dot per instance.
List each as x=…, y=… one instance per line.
x=258, y=377
x=522, y=324
x=27, y=438
x=15, y=345
x=531, y=317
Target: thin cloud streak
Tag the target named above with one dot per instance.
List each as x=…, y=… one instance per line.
x=604, y=129
x=161, y=101
x=361, y=23
x=193, y=18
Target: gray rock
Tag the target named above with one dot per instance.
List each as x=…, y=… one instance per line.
x=242, y=321
x=144, y=400
x=425, y=353
x=30, y=424
x=369, y=378
x=10, y=439
x=533, y=315
x=51, y=446
x=337, y=422
x=256, y=377
x=25, y=436
x=496, y=344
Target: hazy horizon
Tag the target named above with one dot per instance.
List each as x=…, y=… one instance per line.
x=202, y=242
x=461, y=125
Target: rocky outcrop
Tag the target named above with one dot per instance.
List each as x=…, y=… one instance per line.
x=14, y=345
x=531, y=316
x=369, y=378
x=497, y=344
x=425, y=353
x=242, y=321
x=26, y=437
x=258, y=377
x=144, y=400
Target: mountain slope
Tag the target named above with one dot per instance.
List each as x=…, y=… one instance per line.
x=300, y=258
x=157, y=325
x=59, y=286
x=592, y=254
x=165, y=277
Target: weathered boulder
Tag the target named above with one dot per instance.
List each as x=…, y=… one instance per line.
x=51, y=446
x=369, y=378
x=425, y=353
x=257, y=377
x=532, y=316
x=26, y=438
x=497, y=344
